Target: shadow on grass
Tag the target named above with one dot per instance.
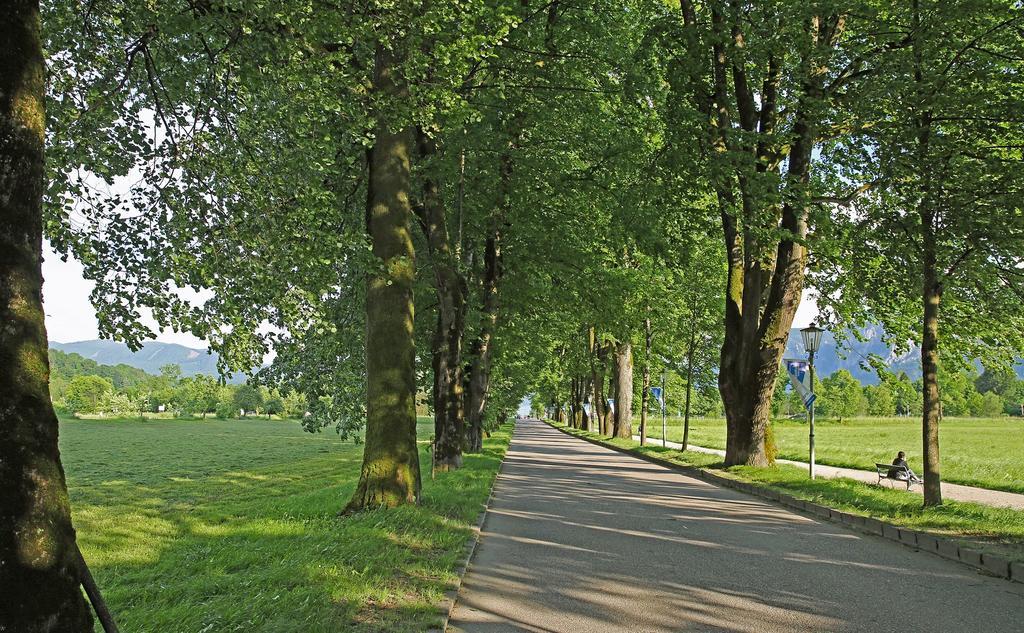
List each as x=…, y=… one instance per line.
x=261, y=548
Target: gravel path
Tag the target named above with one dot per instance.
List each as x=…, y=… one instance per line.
x=949, y=491
x=580, y=538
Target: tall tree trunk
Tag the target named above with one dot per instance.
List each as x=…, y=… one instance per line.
x=604, y=357
x=646, y=385
x=689, y=391
x=931, y=294
x=390, y=474
x=39, y=574
x=450, y=286
x=765, y=278
x=690, y=348
x=483, y=347
x=624, y=390
x=600, y=405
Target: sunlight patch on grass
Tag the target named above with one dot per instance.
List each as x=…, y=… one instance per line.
x=232, y=526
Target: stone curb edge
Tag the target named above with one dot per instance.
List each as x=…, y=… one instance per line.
x=447, y=604
x=950, y=549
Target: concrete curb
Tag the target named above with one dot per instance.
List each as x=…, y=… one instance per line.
x=447, y=604
x=951, y=549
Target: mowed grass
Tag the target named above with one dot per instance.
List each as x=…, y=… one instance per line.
x=984, y=452
x=209, y=526
x=996, y=530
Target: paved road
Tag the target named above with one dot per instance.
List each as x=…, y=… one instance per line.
x=949, y=491
x=583, y=539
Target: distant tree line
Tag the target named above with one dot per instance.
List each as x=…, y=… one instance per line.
x=962, y=394
x=82, y=386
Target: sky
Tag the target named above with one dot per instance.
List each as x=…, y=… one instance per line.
x=70, y=317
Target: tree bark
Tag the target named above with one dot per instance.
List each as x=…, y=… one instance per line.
x=390, y=474
x=646, y=385
x=450, y=287
x=483, y=348
x=932, y=295
x=599, y=367
x=624, y=390
x=39, y=574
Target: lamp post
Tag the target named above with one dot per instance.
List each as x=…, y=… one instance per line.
x=812, y=341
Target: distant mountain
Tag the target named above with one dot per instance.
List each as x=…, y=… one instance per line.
x=854, y=356
x=150, y=358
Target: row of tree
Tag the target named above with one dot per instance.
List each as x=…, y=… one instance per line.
x=485, y=199
x=841, y=396
x=80, y=385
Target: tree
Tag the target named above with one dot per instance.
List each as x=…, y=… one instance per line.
x=936, y=246
x=295, y=405
x=41, y=577
x=880, y=400
x=226, y=407
x=841, y=395
x=198, y=394
x=247, y=398
x=273, y=403
x=762, y=84
x=1014, y=399
x=85, y=394
x=997, y=379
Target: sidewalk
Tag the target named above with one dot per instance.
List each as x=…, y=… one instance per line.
x=949, y=491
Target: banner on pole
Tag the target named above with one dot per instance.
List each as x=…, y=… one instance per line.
x=800, y=376
x=611, y=405
x=656, y=392
x=586, y=408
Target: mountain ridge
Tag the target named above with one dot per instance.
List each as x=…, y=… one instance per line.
x=152, y=356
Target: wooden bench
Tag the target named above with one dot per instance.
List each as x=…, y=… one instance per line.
x=892, y=472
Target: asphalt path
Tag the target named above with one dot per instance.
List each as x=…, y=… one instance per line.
x=580, y=538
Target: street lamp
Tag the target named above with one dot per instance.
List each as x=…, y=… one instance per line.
x=812, y=341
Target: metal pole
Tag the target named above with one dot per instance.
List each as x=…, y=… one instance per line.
x=811, y=438
x=664, y=403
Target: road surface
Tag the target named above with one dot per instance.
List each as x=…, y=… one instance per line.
x=583, y=539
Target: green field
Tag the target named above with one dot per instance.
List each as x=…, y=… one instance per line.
x=203, y=526
x=986, y=452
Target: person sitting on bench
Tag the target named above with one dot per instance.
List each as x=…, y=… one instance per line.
x=900, y=473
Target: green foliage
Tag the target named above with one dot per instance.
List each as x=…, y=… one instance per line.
x=248, y=399
x=841, y=396
x=880, y=400
x=226, y=408
x=86, y=393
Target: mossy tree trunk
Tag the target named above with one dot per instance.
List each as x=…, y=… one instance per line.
x=624, y=390
x=765, y=235
x=39, y=574
x=450, y=286
x=390, y=474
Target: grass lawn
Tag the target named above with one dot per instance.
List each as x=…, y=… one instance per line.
x=985, y=452
x=208, y=526
x=997, y=530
